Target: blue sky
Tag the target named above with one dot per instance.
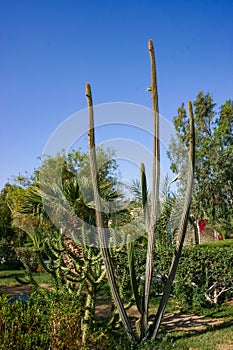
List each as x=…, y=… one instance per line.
x=50, y=49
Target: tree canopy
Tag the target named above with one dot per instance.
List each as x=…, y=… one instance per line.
x=213, y=190
x=60, y=184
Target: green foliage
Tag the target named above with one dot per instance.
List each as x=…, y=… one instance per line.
x=29, y=256
x=50, y=320
x=8, y=258
x=212, y=194
x=204, y=275
x=8, y=233
x=47, y=320
x=6, y=230
x=64, y=197
x=221, y=243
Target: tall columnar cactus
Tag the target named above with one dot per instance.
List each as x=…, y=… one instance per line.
x=103, y=244
x=151, y=217
x=181, y=230
x=133, y=276
x=155, y=190
x=130, y=247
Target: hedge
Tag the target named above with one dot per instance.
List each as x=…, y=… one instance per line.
x=204, y=275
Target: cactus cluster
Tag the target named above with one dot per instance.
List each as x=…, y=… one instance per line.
x=142, y=298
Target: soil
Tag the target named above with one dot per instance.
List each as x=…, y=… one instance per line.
x=14, y=290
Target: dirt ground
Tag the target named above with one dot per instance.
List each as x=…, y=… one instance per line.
x=14, y=290
x=184, y=322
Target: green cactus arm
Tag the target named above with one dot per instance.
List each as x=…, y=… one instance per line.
x=99, y=222
x=101, y=277
x=181, y=230
x=155, y=192
x=95, y=259
x=144, y=189
x=133, y=278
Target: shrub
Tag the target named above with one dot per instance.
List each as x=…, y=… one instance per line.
x=204, y=276
x=29, y=257
x=47, y=320
x=8, y=258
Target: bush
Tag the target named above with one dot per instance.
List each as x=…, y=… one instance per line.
x=29, y=257
x=8, y=258
x=47, y=320
x=204, y=275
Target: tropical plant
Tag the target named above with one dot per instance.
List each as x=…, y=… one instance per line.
x=74, y=261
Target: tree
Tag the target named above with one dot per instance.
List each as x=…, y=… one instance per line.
x=213, y=187
x=6, y=229
x=8, y=232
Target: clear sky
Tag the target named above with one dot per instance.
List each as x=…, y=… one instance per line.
x=50, y=49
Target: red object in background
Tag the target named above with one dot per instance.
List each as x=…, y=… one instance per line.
x=201, y=225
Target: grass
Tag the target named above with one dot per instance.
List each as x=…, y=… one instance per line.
x=215, y=337
x=212, y=338
x=7, y=278
x=221, y=243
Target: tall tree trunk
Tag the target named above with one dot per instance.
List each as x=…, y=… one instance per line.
x=196, y=232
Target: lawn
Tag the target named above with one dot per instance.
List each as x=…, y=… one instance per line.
x=8, y=277
x=222, y=243
x=212, y=337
